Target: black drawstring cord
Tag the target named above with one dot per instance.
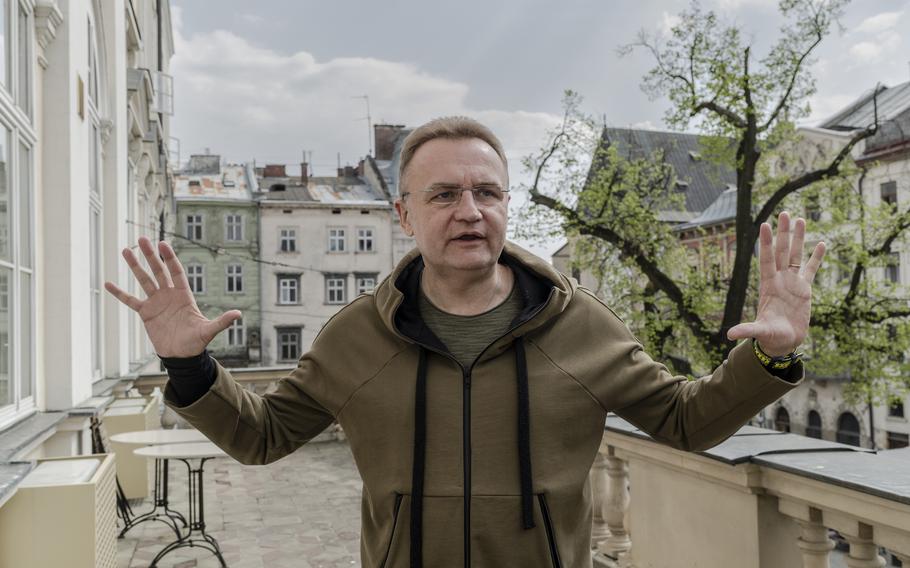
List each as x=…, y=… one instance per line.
x=420, y=444
x=524, y=436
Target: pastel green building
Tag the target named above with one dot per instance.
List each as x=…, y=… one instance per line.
x=217, y=241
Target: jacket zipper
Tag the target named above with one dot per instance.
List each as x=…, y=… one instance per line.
x=551, y=539
x=466, y=420
x=388, y=549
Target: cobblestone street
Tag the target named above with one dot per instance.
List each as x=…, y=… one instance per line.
x=302, y=511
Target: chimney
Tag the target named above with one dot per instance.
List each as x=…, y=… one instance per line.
x=360, y=167
x=274, y=170
x=349, y=171
x=304, y=173
x=340, y=172
x=384, y=137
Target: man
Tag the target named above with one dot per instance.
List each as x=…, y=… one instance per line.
x=473, y=384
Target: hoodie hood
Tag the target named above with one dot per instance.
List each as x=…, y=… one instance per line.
x=543, y=290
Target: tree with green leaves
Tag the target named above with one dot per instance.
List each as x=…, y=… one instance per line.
x=745, y=109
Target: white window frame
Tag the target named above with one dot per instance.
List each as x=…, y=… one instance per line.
x=233, y=227
x=20, y=138
x=197, y=224
x=332, y=288
x=366, y=239
x=337, y=240
x=287, y=235
x=294, y=333
x=365, y=284
x=193, y=278
x=288, y=285
x=237, y=275
x=236, y=333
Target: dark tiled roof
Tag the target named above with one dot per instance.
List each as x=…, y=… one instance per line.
x=706, y=180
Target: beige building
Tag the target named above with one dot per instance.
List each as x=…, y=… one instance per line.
x=324, y=241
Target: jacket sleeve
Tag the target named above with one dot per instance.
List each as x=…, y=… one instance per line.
x=686, y=414
x=259, y=429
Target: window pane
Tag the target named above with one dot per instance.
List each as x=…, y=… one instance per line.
x=25, y=60
x=93, y=159
x=4, y=47
x=25, y=337
x=25, y=206
x=6, y=289
x=6, y=213
x=94, y=239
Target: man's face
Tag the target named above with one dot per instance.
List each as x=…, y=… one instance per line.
x=457, y=163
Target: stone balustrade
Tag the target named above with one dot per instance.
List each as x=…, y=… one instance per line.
x=760, y=499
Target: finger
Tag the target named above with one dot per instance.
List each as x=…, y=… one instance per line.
x=222, y=322
x=743, y=330
x=796, y=247
x=132, y=302
x=782, y=250
x=178, y=275
x=154, y=262
x=148, y=285
x=765, y=258
x=814, y=262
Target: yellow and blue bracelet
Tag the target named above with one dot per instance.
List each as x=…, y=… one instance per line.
x=782, y=362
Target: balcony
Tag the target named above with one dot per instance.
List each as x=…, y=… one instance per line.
x=761, y=499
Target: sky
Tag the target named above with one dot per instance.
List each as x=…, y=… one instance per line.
x=272, y=79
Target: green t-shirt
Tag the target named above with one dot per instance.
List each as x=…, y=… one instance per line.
x=467, y=336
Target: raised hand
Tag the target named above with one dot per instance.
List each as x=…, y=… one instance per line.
x=785, y=293
x=172, y=320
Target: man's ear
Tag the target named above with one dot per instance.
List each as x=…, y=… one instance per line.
x=403, y=219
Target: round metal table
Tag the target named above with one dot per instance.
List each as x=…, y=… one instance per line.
x=159, y=495
x=202, y=451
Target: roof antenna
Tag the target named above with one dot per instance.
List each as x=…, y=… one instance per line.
x=369, y=121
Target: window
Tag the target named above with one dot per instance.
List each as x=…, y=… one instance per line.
x=782, y=420
x=236, y=336
x=195, y=273
x=288, y=240
x=336, y=240
x=24, y=61
x=234, y=278
x=897, y=440
x=814, y=425
x=889, y=193
x=234, y=226
x=194, y=227
x=288, y=344
x=95, y=288
x=896, y=409
x=365, y=240
x=92, y=65
x=893, y=268
x=813, y=210
x=365, y=283
x=335, y=288
x=287, y=290
x=848, y=429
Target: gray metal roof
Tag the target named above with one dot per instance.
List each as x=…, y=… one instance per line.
x=723, y=209
x=892, y=101
x=228, y=183
x=706, y=180
x=323, y=189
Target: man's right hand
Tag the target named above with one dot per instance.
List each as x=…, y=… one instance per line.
x=173, y=322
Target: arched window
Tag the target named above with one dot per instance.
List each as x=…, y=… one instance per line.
x=848, y=429
x=814, y=425
x=782, y=420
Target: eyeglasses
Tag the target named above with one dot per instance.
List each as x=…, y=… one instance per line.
x=445, y=195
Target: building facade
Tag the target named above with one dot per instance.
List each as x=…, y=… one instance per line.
x=217, y=241
x=84, y=109
x=325, y=241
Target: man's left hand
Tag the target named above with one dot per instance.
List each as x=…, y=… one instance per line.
x=784, y=292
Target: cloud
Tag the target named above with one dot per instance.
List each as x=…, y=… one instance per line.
x=667, y=22
x=870, y=51
x=245, y=101
x=879, y=22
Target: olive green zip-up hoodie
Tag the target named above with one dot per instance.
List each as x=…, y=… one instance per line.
x=485, y=466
